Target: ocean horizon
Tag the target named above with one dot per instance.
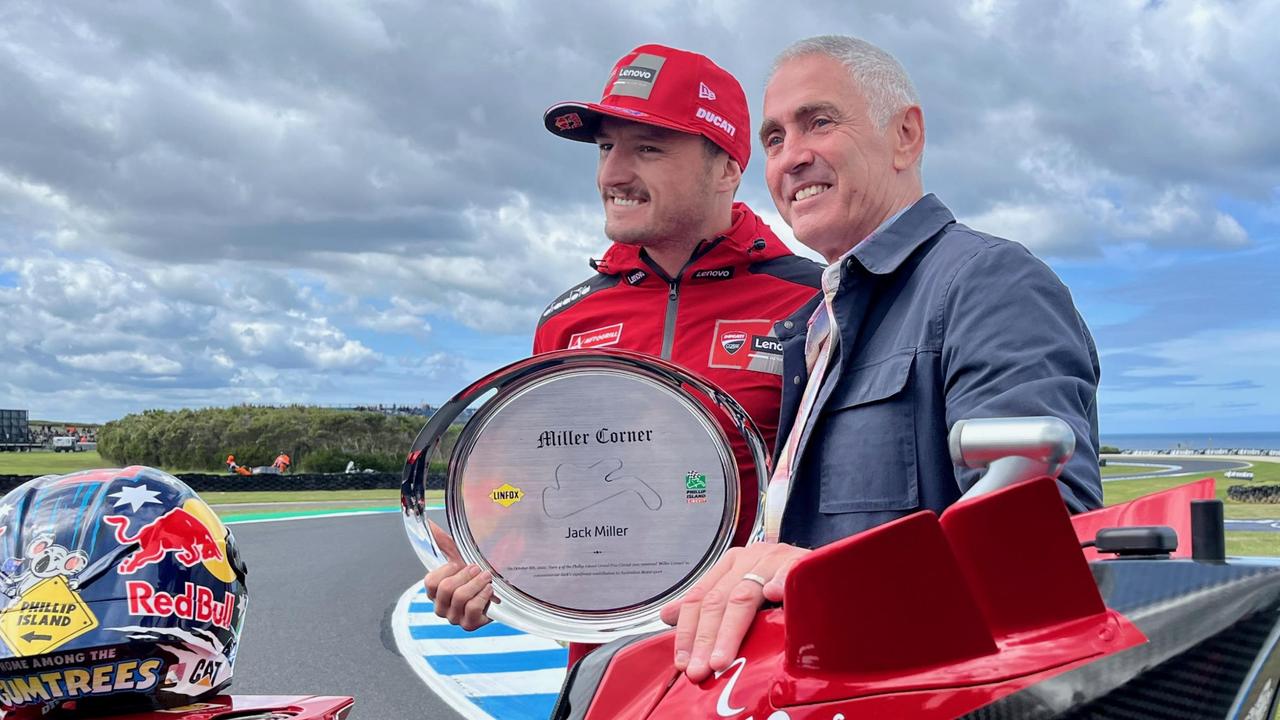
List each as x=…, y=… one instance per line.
x=1193, y=441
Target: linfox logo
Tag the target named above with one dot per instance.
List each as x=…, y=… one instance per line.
x=716, y=120
x=195, y=603
x=635, y=72
x=507, y=495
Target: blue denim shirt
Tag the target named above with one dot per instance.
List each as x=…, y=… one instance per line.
x=936, y=323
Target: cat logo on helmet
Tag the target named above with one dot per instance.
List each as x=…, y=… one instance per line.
x=205, y=672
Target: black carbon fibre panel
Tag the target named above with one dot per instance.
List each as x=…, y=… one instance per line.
x=1205, y=624
x=1133, y=585
x=1201, y=683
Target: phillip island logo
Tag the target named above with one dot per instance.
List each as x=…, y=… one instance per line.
x=695, y=487
x=507, y=495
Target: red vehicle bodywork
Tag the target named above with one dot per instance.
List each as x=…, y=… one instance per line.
x=998, y=597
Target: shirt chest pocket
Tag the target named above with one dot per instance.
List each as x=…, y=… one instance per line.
x=868, y=453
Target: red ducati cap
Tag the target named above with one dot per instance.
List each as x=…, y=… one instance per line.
x=670, y=88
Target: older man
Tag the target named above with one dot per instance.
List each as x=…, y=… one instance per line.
x=692, y=276
x=925, y=322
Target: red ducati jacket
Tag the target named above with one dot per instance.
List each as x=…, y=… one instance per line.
x=715, y=318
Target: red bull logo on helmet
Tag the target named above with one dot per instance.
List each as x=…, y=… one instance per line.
x=196, y=602
x=177, y=532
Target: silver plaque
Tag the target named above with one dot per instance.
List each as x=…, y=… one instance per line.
x=596, y=486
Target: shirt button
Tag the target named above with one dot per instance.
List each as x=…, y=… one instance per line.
x=788, y=324
x=795, y=380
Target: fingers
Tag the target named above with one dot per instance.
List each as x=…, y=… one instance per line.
x=726, y=613
x=714, y=617
x=474, y=613
x=458, y=596
x=435, y=577
x=444, y=542
x=773, y=589
x=744, y=602
x=684, y=613
x=686, y=629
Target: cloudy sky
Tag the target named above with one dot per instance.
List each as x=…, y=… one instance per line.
x=344, y=202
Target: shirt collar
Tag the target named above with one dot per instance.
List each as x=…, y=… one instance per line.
x=884, y=250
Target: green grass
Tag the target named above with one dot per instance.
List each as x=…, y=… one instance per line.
x=1253, y=543
x=1238, y=543
x=391, y=495
x=45, y=462
x=1263, y=473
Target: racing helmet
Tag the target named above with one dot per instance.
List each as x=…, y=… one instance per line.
x=120, y=591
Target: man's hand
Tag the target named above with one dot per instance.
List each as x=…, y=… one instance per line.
x=461, y=592
x=713, y=618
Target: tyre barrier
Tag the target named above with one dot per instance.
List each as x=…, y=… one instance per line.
x=1254, y=493
x=201, y=482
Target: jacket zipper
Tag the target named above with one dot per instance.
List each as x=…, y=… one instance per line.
x=669, y=324
x=673, y=295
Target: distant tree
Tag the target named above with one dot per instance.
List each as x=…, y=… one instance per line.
x=202, y=439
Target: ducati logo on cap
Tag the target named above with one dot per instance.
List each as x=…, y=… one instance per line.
x=569, y=121
x=733, y=341
x=637, y=79
x=705, y=93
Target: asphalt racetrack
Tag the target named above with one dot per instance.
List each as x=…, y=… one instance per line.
x=320, y=595
x=1191, y=468
x=1171, y=466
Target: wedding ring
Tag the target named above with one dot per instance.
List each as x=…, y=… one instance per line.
x=752, y=577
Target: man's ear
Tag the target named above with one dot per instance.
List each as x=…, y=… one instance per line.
x=908, y=137
x=729, y=175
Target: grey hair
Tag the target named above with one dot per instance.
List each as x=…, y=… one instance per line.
x=879, y=75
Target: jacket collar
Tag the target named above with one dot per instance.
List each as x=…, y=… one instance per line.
x=748, y=240
x=883, y=252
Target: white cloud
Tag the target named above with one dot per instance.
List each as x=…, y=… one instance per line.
x=245, y=201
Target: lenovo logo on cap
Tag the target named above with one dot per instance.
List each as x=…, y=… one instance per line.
x=637, y=79
x=632, y=72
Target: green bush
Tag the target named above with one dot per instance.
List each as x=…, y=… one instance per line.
x=318, y=439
